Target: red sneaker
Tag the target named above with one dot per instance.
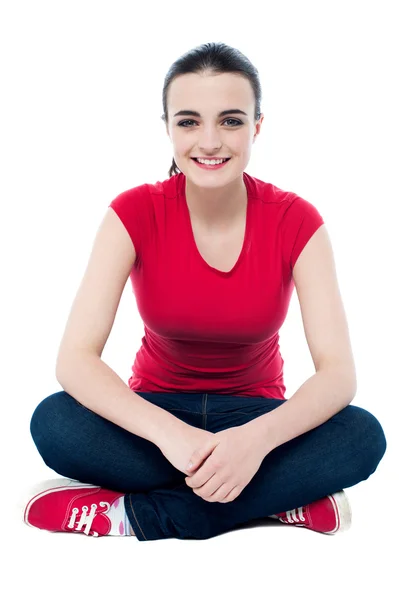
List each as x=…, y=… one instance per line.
x=327, y=515
x=72, y=506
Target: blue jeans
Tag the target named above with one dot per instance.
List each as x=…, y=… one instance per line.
x=80, y=444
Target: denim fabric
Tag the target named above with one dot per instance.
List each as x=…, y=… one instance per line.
x=80, y=444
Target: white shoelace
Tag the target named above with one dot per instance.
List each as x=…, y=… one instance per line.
x=294, y=517
x=86, y=519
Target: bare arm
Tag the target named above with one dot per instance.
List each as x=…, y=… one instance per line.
x=87, y=378
x=79, y=367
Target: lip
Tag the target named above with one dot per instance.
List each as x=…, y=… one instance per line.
x=210, y=167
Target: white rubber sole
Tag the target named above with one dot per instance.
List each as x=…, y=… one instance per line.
x=343, y=511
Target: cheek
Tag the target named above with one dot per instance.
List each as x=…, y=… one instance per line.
x=182, y=147
x=241, y=143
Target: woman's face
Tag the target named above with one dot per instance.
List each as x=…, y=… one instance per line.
x=210, y=135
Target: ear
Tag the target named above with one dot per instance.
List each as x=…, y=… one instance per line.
x=258, y=126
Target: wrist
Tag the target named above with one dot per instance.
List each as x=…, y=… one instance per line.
x=260, y=431
x=170, y=428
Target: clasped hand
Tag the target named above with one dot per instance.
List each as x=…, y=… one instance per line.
x=232, y=458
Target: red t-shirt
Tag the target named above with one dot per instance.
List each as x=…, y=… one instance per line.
x=206, y=330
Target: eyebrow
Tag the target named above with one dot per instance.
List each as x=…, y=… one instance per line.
x=194, y=113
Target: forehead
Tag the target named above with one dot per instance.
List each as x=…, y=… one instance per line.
x=209, y=93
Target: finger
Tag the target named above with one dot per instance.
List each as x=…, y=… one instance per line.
x=235, y=492
x=202, y=476
x=220, y=493
x=213, y=490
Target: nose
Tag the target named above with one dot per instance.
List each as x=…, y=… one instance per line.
x=209, y=140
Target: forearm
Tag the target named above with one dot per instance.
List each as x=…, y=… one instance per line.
x=323, y=395
x=96, y=386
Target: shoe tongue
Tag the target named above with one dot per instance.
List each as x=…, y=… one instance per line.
x=101, y=523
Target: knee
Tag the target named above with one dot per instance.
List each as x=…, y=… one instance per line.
x=368, y=436
x=47, y=418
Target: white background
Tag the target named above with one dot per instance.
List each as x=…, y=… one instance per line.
x=81, y=103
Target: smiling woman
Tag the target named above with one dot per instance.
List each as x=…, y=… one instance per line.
x=213, y=255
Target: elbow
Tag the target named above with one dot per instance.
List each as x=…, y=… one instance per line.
x=65, y=364
x=344, y=379
x=60, y=373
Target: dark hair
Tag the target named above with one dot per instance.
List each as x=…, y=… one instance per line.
x=217, y=58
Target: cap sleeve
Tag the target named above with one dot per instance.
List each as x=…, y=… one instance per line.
x=301, y=221
x=130, y=208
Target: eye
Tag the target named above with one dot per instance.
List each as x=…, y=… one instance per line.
x=186, y=121
x=237, y=121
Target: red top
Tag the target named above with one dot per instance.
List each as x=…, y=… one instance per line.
x=206, y=330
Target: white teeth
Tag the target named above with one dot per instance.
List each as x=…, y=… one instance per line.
x=211, y=162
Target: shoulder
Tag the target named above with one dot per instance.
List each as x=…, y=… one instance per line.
x=269, y=193
x=169, y=187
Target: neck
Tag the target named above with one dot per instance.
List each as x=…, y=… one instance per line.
x=216, y=207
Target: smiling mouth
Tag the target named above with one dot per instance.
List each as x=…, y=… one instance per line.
x=224, y=160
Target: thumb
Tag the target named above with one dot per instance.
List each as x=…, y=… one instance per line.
x=198, y=456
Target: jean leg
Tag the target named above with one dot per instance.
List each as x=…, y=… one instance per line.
x=79, y=444
x=337, y=454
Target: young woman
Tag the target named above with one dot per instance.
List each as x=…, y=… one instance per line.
x=213, y=255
